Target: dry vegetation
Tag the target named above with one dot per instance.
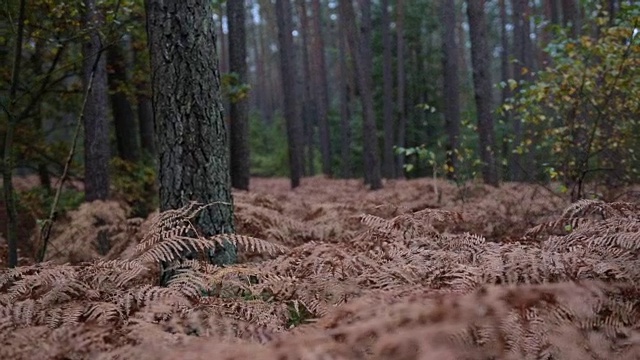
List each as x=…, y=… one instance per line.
x=419, y=270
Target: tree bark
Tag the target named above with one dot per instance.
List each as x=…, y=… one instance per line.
x=320, y=87
x=289, y=76
x=96, y=127
x=481, y=64
x=123, y=117
x=193, y=152
x=451, y=85
x=363, y=66
x=388, y=166
x=239, y=111
x=401, y=81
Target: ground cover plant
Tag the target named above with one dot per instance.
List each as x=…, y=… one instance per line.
x=420, y=270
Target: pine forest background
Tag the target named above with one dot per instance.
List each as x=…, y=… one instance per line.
x=306, y=179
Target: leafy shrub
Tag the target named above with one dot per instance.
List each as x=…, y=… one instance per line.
x=581, y=111
x=135, y=183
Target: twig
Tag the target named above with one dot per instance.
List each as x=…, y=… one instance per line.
x=45, y=230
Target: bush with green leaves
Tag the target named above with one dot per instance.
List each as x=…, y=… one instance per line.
x=581, y=112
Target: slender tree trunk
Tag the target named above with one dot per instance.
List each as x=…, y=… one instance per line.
x=239, y=111
x=288, y=73
x=123, y=117
x=481, y=64
x=505, y=75
x=96, y=126
x=344, y=80
x=363, y=65
x=320, y=87
x=145, y=122
x=193, y=150
x=571, y=16
x=451, y=84
x=7, y=171
x=401, y=81
x=388, y=166
x=309, y=108
x=259, y=92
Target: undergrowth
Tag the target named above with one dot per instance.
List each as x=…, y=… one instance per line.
x=330, y=271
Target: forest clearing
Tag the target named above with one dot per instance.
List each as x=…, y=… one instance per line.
x=422, y=269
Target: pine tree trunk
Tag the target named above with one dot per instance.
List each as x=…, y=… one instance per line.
x=123, y=117
x=344, y=80
x=505, y=75
x=320, y=87
x=239, y=111
x=481, y=64
x=451, y=85
x=400, y=102
x=309, y=110
x=363, y=66
x=193, y=152
x=96, y=126
x=388, y=166
x=290, y=93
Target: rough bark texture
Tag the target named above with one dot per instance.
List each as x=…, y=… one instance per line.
x=451, y=83
x=363, y=66
x=123, y=117
x=400, y=103
x=239, y=111
x=388, y=166
x=320, y=87
x=96, y=126
x=193, y=152
x=481, y=64
x=289, y=76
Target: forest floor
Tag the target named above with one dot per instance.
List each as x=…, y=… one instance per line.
x=422, y=269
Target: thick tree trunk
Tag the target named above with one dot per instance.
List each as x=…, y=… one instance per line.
x=388, y=166
x=451, y=84
x=96, y=126
x=193, y=151
x=481, y=64
x=363, y=66
x=239, y=111
x=291, y=105
x=123, y=117
x=400, y=102
x=320, y=87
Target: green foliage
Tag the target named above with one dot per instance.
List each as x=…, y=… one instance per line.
x=268, y=146
x=37, y=201
x=233, y=88
x=298, y=314
x=581, y=112
x=135, y=183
